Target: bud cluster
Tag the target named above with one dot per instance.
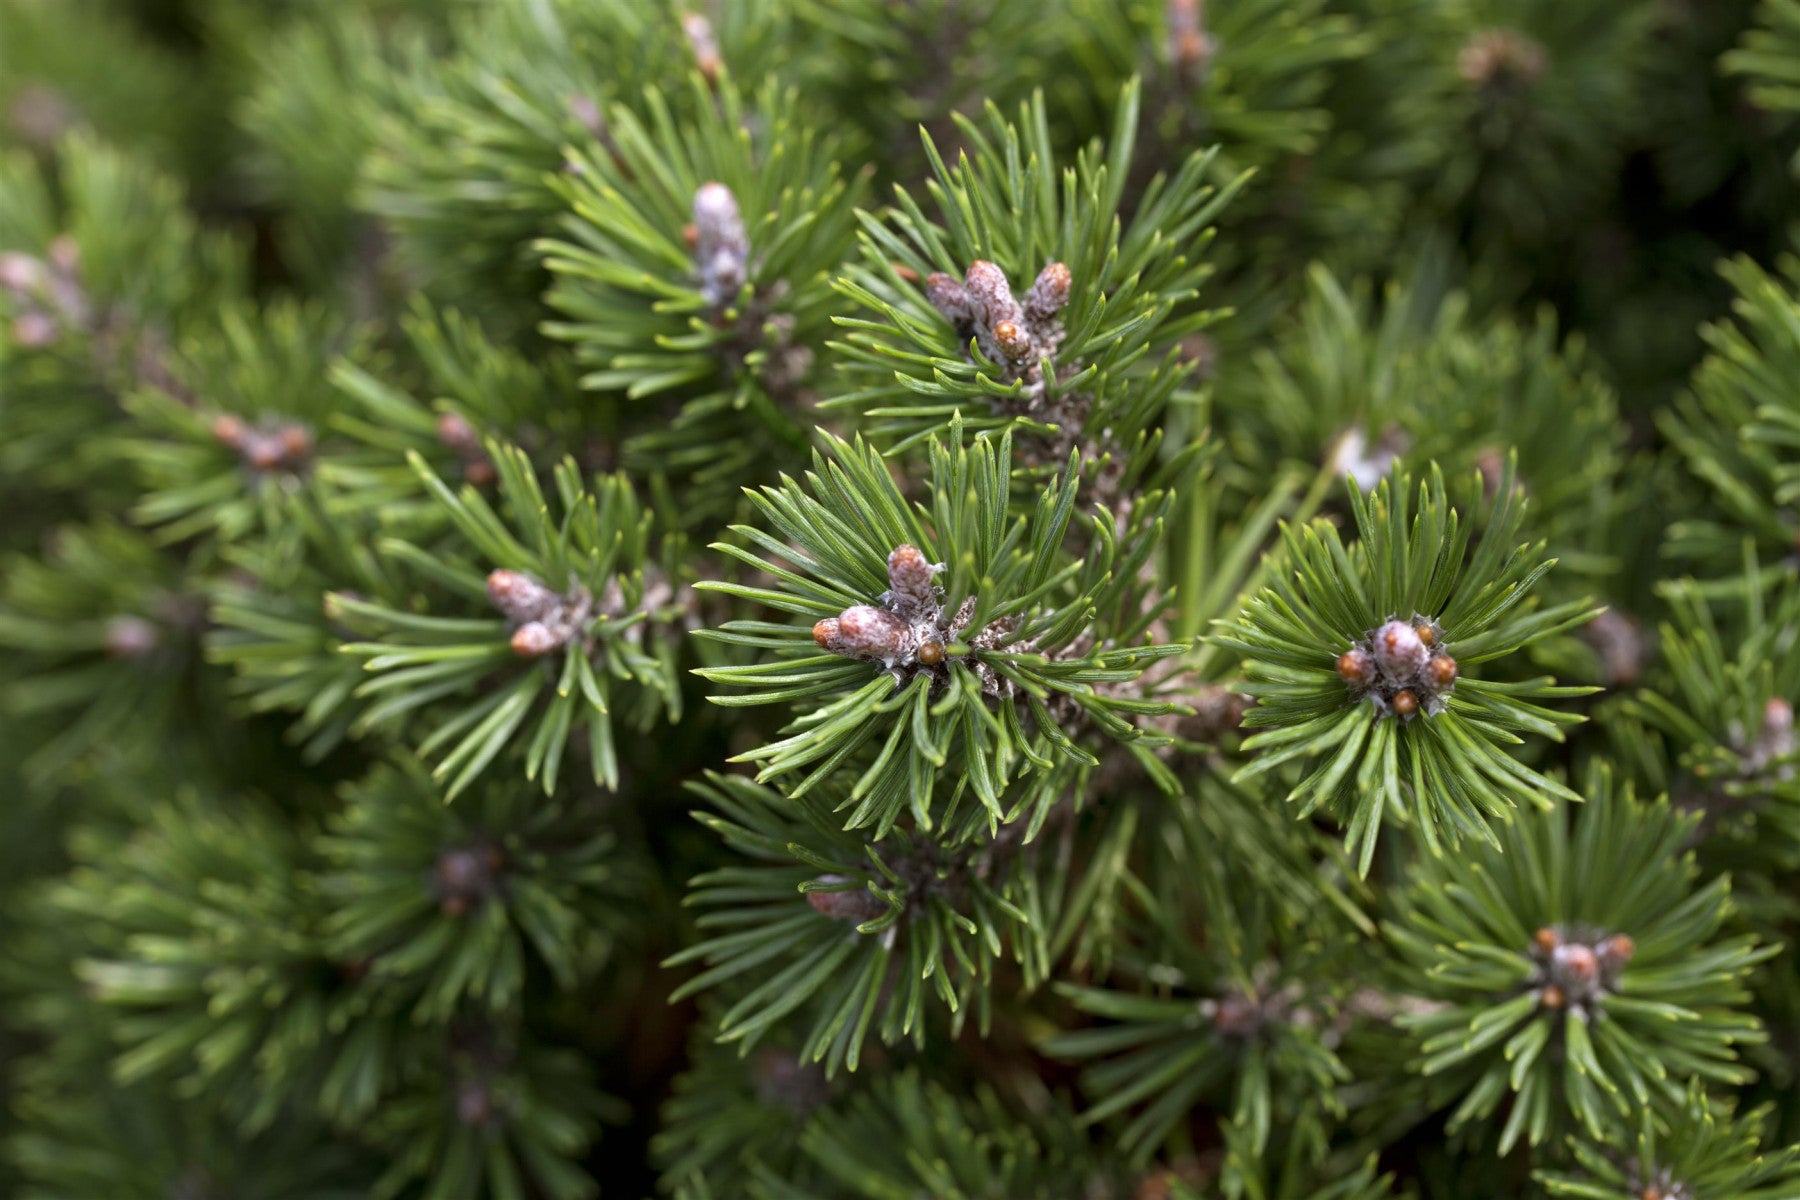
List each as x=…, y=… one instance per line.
x=1020, y=337
x=267, y=446
x=543, y=621
x=1400, y=668
x=46, y=293
x=721, y=247
x=465, y=876
x=1575, y=970
x=906, y=629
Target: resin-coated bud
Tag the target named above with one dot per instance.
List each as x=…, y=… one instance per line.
x=1576, y=961
x=951, y=299
x=1405, y=703
x=534, y=639
x=869, y=632
x=992, y=295
x=1615, y=952
x=1399, y=651
x=519, y=596
x=910, y=576
x=721, y=247
x=1048, y=294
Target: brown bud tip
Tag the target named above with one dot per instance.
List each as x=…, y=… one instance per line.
x=907, y=273
x=481, y=473
x=1049, y=292
x=1398, y=650
x=296, y=441
x=1577, y=961
x=910, y=576
x=871, y=632
x=1546, y=940
x=1405, y=703
x=690, y=235
x=826, y=633
x=1012, y=339
x=1192, y=48
x=1552, y=997
x=228, y=430
x=130, y=637
x=931, y=653
x=1778, y=715
x=456, y=433
x=1616, y=951
x=264, y=453
x=1426, y=633
x=534, y=640
x=1440, y=672
x=1356, y=668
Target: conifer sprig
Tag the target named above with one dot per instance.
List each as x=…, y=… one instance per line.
x=950, y=638
x=560, y=640
x=1098, y=347
x=1700, y=1149
x=1577, y=968
x=861, y=937
x=1359, y=659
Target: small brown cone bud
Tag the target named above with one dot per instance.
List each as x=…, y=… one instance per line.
x=1399, y=652
x=1778, y=716
x=534, y=640
x=1048, y=295
x=1356, y=668
x=703, y=44
x=481, y=473
x=1546, y=940
x=1552, y=997
x=1013, y=341
x=910, y=576
x=228, y=430
x=905, y=272
x=456, y=432
x=690, y=235
x=1405, y=703
x=1440, y=671
x=1426, y=633
x=992, y=295
x=263, y=452
x=931, y=653
x=951, y=299
x=1577, y=962
x=826, y=633
x=519, y=596
x=1616, y=951
x=869, y=632
x=130, y=637
x=296, y=441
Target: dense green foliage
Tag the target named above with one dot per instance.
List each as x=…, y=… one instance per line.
x=882, y=599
